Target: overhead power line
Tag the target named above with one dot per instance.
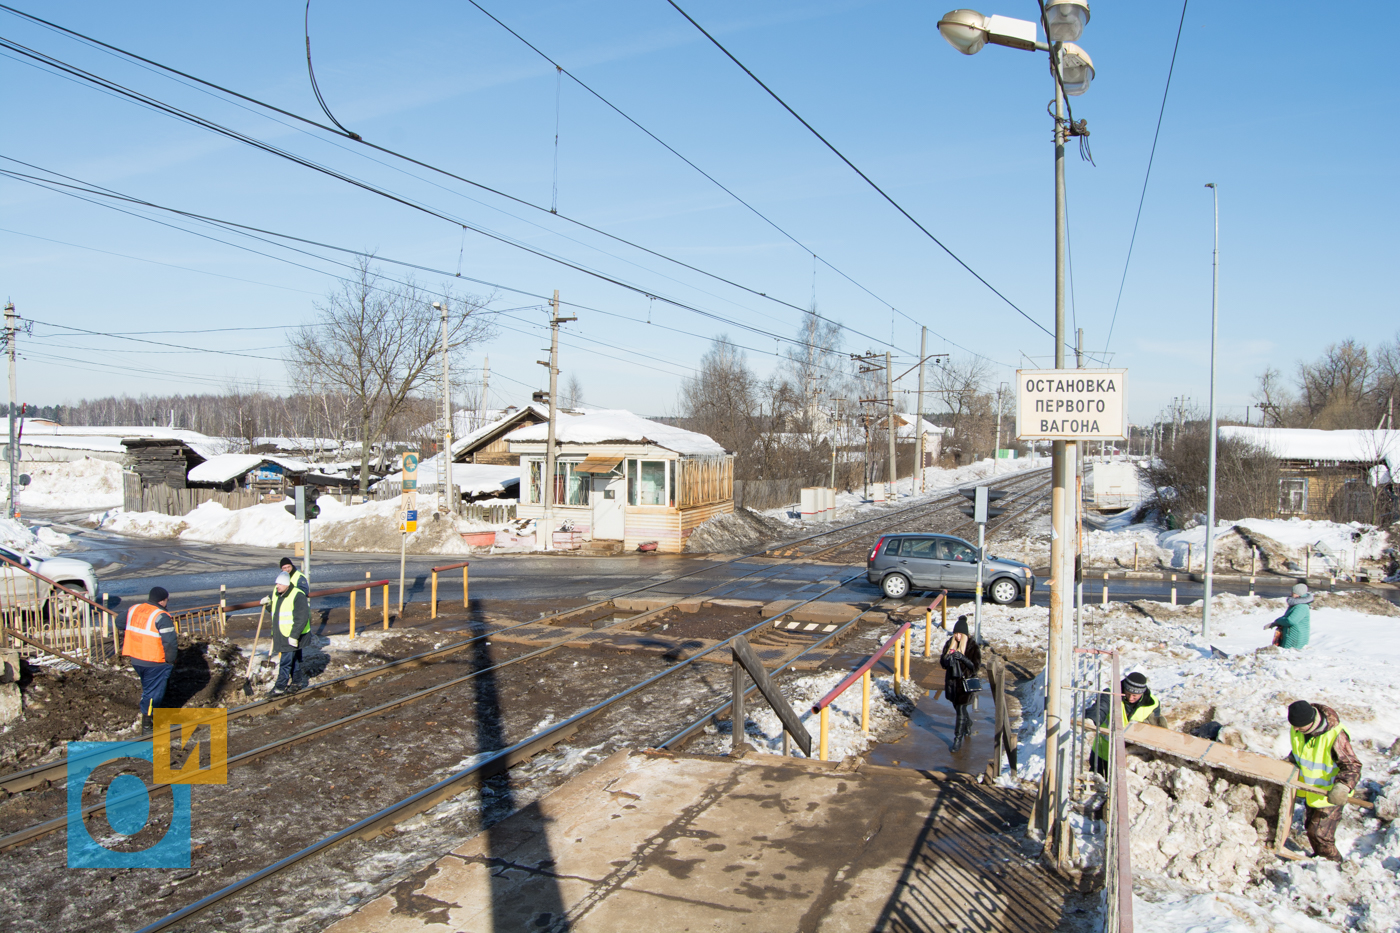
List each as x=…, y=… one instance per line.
x=338, y=130
x=1146, y=177
x=866, y=178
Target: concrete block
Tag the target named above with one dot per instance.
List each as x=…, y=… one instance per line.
x=639, y=603
x=736, y=603
x=10, y=704
x=778, y=607
x=825, y=612
x=9, y=665
x=691, y=604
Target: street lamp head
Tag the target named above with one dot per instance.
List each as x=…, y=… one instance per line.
x=1076, y=69
x=965, y=30
x=437, y=306
x=1065, y=19
x=1210, y=184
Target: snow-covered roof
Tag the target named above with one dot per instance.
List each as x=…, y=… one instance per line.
x=100, y=437
x=224, y=467
x=466, y=442
x=605, y=426
x=94, y=443
x=1312, y=444
x=472, y=479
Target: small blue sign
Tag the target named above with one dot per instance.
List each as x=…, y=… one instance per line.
x=412, y=515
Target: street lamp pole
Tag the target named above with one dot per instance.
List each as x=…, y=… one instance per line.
x=1072, y=72
x=1210, y=477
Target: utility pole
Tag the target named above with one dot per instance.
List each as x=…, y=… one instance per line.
x=553, y=365
x=996, y=445
x=919, y=421
x=445, y=472
x=10, y=333
x=485, y=387
x=889, y=392
x=1054, y=796
x=1210, y=475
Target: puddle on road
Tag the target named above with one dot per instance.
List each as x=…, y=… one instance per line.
x=929, y=742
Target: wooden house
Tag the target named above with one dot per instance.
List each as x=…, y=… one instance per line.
x=1335, y=475
x=623, y=478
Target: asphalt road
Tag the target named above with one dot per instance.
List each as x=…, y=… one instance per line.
x=129, y=567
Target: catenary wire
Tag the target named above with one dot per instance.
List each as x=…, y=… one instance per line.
x=895, y=204
x=1142, y=198
x=345, y=133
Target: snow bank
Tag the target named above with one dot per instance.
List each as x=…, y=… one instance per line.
x=16, y=537
x=71, y=484
x=371, y=526
x=1334, y=545
x=1200, y=854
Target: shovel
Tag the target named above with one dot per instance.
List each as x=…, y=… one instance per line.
x=253, y=654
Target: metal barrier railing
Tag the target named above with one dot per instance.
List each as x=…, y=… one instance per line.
x=43, y=615
x=1085, y=730
x=899, y=641
x=436, y=570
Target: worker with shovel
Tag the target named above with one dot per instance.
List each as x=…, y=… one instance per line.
x=1139, y=705
x=291, y=623
x=1328, y=765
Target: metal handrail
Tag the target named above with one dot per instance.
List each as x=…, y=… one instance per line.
x=1118, y=855
x=892, y=641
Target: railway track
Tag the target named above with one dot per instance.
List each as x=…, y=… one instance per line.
x=384, y=820
x=844, y=547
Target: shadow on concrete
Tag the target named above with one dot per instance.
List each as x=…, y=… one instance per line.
x=546, y=908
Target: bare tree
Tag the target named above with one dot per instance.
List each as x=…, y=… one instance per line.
x=374, y=342
x=961, y=385
x=573, y=392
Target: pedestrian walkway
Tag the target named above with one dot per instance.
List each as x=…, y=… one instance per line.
x=928, y=746
x=648, y=841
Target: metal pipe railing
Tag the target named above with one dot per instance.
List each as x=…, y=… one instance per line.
x=463, y=566
x=862, y=673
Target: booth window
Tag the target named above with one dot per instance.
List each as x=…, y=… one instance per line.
x=646, y=482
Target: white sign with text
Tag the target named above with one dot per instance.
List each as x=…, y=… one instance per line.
x=1071, y=404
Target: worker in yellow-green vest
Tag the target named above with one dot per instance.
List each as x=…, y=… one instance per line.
x=299, y=579
x=1139, y=705
x=291, y=625
x=1327, y=764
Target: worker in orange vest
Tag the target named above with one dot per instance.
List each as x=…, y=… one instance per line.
x=148, y=639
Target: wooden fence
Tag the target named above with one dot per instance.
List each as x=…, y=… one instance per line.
x=167, y=501
x=767, y=493
x=704, y=480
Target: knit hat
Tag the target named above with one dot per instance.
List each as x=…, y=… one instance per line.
x=1136, y=682
x=283, y=580
x=1300, y=589
x=960, y=627
x=158, y=594
x=287, y=562
x=1301, y=714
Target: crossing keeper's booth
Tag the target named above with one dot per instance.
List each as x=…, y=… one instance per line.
x=619, y=477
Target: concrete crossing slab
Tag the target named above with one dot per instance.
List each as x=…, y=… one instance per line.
x=649, y=841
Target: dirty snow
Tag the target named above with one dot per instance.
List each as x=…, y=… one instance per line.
x=1199, y=857
x=71, y=484
x=17, y=537
x=1335, y=545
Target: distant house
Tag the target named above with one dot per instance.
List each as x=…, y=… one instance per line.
x=1336, y=475
x=483, y=465
x=622, y=478
x=44, y=441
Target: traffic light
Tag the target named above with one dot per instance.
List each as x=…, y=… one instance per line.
x=980, y=509
x=304, y=508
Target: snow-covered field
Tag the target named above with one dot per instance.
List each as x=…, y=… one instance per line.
x=1200, y=862
x=74, y=484
x=371, y=526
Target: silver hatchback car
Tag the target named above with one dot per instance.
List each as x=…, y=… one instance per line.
x=899, y=564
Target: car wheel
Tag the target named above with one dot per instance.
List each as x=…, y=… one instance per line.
x=895, y=586
x=1004, y=591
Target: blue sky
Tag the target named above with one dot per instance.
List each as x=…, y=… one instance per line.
x=1299, y=137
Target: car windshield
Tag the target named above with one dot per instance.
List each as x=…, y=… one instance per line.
x=11, y=555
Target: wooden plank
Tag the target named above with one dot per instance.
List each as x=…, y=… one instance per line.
x=1210, y=754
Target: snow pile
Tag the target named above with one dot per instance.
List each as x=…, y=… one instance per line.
x=1334, y=545
x=370, y=526
x=70, y=484
x=1200, y=838
x=741, y=530
x=16, y=537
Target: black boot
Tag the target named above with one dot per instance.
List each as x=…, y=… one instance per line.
x=958, y=732
x=147, y=724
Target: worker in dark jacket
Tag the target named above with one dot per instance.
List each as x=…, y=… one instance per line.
x=1327, y=764
x=1295, y=625
x=1139, y=705
x=291, y=623
x=149, y=640
x=299, y=579
x=961, y=659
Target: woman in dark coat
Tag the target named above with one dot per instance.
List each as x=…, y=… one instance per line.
x=961, y=659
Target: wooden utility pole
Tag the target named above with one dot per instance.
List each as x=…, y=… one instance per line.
x=11, y=331
x=448, y=491
x=549, y=453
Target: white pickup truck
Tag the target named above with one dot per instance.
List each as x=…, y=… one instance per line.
x=18, y=588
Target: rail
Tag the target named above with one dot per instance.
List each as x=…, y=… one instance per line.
x=444, y=569
x=47, y=616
